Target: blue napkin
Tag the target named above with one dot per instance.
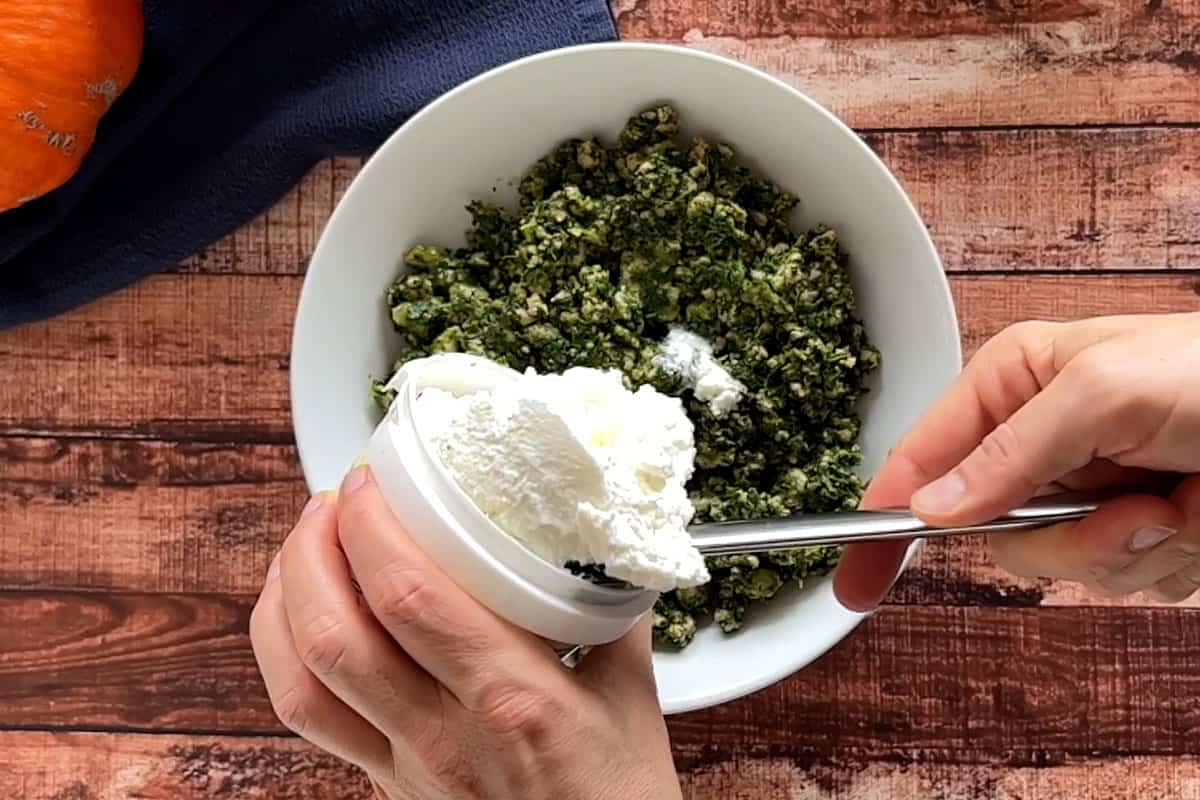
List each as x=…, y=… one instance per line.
x=234, y=102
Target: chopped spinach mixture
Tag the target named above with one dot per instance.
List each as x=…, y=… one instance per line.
x=612, y=247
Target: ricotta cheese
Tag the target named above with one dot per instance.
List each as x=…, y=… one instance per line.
x=690, y=357
x=577, y=468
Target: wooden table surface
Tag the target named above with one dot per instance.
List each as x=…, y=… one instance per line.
x=147, y=471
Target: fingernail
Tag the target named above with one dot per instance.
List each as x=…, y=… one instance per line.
x=312, y=505
x=942, y=495
x=1148, y=537
x=357, y=479
x=273, y=570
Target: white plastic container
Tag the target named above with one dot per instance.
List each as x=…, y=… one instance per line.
x=486, y=562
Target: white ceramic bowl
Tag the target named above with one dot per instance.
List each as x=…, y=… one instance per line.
x=476, y=141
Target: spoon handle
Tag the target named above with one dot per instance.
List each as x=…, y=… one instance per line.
x=807, y=530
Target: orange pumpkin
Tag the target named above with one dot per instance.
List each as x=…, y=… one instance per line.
x=62, y=64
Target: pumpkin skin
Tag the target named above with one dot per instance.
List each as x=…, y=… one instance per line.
x=62, y=64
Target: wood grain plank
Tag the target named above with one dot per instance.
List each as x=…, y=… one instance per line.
x=1061, y=200
x=176, y=356
x=177, y=662
x=988, y=304
x=170, y=516
x=198, y=357
x=1136, y=778
x=152, y=516
x=882, y=64
x=1009, y=199
x=962, y=573
x=144, y=515
x=1021, y=684
x=1014, y=682
x=91, y=766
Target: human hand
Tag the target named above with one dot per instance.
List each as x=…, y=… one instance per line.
x=1108, y=402
x=428, y=691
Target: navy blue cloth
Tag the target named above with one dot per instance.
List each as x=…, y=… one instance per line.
x=234, y=102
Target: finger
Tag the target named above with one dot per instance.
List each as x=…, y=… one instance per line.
x=1095, y=405
x=1052, y=435
x=1003, y=376
x=1182, y=584
x=625, y=664
x=1093, y=550
x=466, y=647
x=1008, y=371
x=1177, y=587
x=1104, y=474
x=1174, y=554
x=1005, y=373
x=301, y=702
x=867, y=570
x=1073, y=338
x=340, y=642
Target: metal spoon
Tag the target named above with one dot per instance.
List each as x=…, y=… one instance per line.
x=809, y=530
x=845, y=527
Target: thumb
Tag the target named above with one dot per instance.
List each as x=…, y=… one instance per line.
x=1051, y=435
x=866, y=571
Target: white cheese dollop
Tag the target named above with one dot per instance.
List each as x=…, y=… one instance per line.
x=690, y=357
x=578, y=468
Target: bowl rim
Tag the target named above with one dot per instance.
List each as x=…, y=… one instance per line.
x=838, y=629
